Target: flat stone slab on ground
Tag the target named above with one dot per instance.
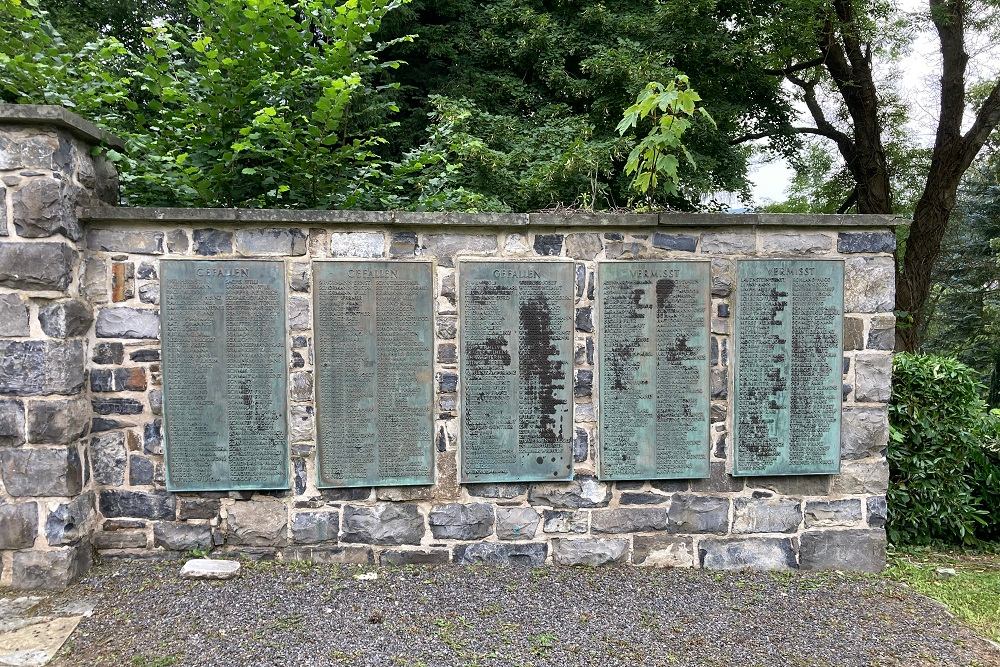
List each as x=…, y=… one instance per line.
x=32, y=631
x=210, y=568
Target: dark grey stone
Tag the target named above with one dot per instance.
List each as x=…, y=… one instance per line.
x=51, y=471
x=348, y=494
x=139, y=242
x=747, y=553
x=642, y=498
x=213, y=242
x=457, y=521
x=11, y=423
x=36, y=266
x=528, y=554
x=403, y=244
x=50, y=570
x=35, y=367
x=277, y=241
x=66, y=318
x=792, y=485
x=58, y=422
x=13, y=315
x=855, y=550
x=141, y=470
x=629, y=520
x=108, y=353
x=584, y=384
x=548, y=244
x=69, y=522
x=18, y=525
x=41, y=209
x=145, y=356
x=681, y=242
x=385, y=523
x=315, y=527
x=198, y=508
x=848, y=242
x=116, y=406
x=126, y=322
x=175, y=536
x=107, y=458
x=584, y=319
x=581, y=442
x=447, y=383
x=146, y=271
x=668, y=485
x=396, y=557
x=589, y=551
x=500, y=491
x=582, y=491
x=120, y=539
x=766, y=515
x=137, y=504
x=698, y=514
x=719, y=482
x=878, y=511
x=178, y=241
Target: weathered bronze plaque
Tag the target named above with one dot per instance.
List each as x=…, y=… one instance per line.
x=788, y=361
x=374, y=372
x=517, y=370
x=653, y=337
x=224, y=370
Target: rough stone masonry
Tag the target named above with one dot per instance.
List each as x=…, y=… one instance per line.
x=81, y=445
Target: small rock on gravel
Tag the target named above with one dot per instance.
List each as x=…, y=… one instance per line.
x=210, y=568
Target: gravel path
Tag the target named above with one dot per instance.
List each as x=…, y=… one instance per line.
x=288, y=614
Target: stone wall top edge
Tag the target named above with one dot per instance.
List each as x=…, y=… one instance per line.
x=59, y=117
x=124, y=215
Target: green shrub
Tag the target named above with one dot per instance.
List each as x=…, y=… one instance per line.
x=941, y=479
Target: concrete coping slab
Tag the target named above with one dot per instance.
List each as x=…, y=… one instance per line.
x=60, y=117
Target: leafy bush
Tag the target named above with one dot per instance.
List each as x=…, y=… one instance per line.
x=943, y=478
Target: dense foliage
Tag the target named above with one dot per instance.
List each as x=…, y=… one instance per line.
x=944, y=463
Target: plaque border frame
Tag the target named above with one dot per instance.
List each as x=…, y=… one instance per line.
x=734, y=360
x=598, y=451
x=432, y=265
x=284, y=395
x=549, y=259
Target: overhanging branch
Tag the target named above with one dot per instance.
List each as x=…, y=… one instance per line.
x=792, y=69
x=785, y=131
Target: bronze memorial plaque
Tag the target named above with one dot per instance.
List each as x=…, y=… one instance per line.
x=653, y=337
x=224, y=374
x=516, y=370
x=374, y=372
x=788, y=361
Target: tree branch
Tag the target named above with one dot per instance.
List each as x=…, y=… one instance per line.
x=851, y=200
x=784, y=132
x=791, y=69
x=987, y=120
x=949, y=20
x=844, y=142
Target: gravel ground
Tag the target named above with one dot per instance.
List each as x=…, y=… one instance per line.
x=292, y=614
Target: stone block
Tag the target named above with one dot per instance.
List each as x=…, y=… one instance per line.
x=681, y=242
x=864, y=432
x=66, y=318
x=516, y=523
x=882, y=333
x=795, y=243
x=662, y=551
x=792, y=485
x=499, y=491
x=18, y=525
x=878, y=511
x=385, y=523
x=152, y=437
x=858, y=550
x=720, y=481
x=281, y=241
x=629, y=520
x=589, y=551
x=862, y=477
x=330, y=555
x=528, y=554
x=116, y=406
x=126, y=322
x=174, y=536
x=141, y=470
x=70, y=522
x=31, y=149
x=35, y=367
x=583, y=246
x=403, y=244
x=564, y=521
x=13, y=316
x=747, y=553
x=134, y=241
x=36, y=266
x=582, y=491
x=257, y=523
x=108, y=457
x=872, y=378
x=585, y=319
x=50, y=570
x=398, y=494
x=11, y=423
x=854, y=333
x=315, y=527
x=766, y=515
x=198, y=508
x=209, y=242
x=728, y=243
x=457, y=521
x=120, y=539
x=446, y=247
x=548, y=244
x=137, y=504
x=357, y=244
x=122, y=281
x=869, y=284
x=642, y=498
x=833, y=513
x=94, y=280
x=42, y=209
x=210, y=568
x=698, y=514
x=397, y=557
x=178, y=241
x=852, y=242
x=41, y=472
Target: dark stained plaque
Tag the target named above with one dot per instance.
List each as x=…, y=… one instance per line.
x=788, y=361
x=224, y=369
x=653, y=323
x=374, y=373
x=517, y=370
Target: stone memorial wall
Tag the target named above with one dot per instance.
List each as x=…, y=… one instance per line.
x=656, y=389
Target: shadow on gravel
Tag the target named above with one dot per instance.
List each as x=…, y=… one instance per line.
x=295, y=614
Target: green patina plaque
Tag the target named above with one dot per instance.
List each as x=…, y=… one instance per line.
x=374, y=372
x=516, y=324
x=653, y=337
x=224, y=374
x=788, y=361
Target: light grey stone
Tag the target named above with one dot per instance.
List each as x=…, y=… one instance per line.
x=400, y=494
x=458, y=521
x=565, y=521
x=150, y=293
x=210, y=568
x=120, y=539
x=663, y=551
x=629, y=520
x=301, y=420
x=212, y=242
x=872, y=378
x=869, y=285
x=446, y=247
x=58, y=422
x=125, y=322
x=66, y=318
x=747, y=553
x=36, y=266
x=583, y=246
x=13, y=316
x=582, y=491
x=516, y=523
x=282, y=241
x=298, y=313
x=108, y=457
x=766, y=515
x=257, y=523
x=41, y=209
x=858, y=550
x=35, y=367
x=385, y=523
x=698, y=514
x=18, y=525
x=357, y=244
x=862, y=477
x=94, y=281
x=70, y=522
x=175, y=536
x=833, y=513
x=31, y=149
x=795, y=242
x=135, y=241
x=315, y=527
x=40, y=472
x=178, y=241
x=864, y=432
x=528, y=554
x=589, y=551
x=55, y=569
x=301, y=386
x=11, y=423
x=728, y=243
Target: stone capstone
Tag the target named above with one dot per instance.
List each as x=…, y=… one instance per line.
x=126, y=322
x=69, y=522
x=315, y=527
x=175, y=536
x=18, y=525
x=662, y=551
x=385, y=523
x=138, y=242
x=138, y=504
x=859, y=550
x=11, y=423
x=257, y=523
x=210, y=568
x=747, y=553
x=66, y=318
x=39, y=472
x=582, y=491
x=529, y=554
x=41, y=209
x=50, y=570
x=35, y=367
x=766, y=515
x=589, y=551
x=516, y=523
x=457, y=521
x=13, y=316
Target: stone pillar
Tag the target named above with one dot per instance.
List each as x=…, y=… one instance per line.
x=47, y=171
